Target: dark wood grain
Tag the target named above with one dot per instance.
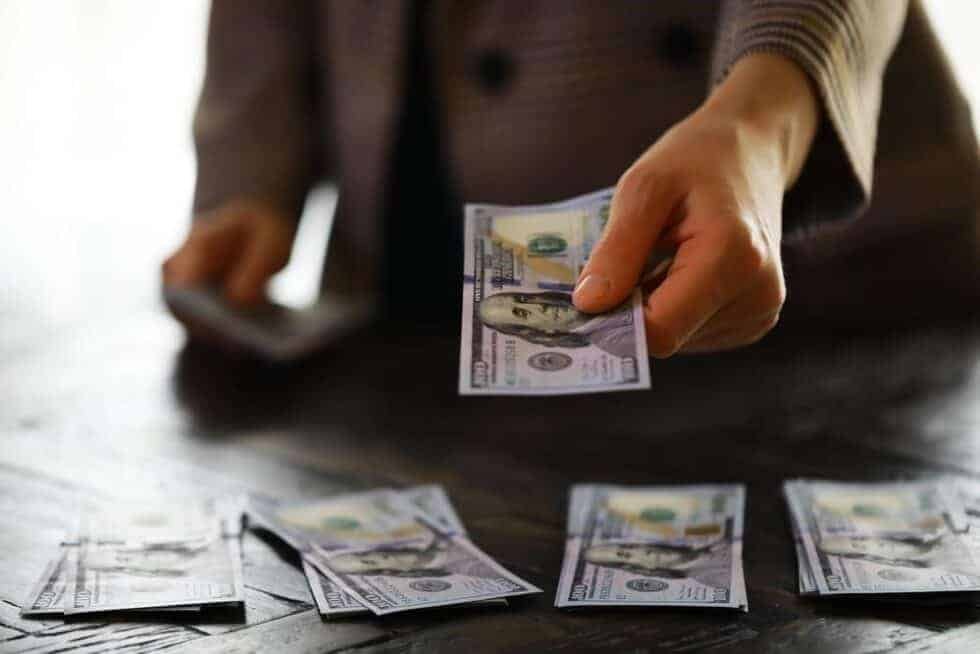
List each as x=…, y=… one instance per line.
x=955, y=641
x=304, y=633
x=7, y=633
x=96, y=637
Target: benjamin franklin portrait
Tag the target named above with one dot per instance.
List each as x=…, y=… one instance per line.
x=550, y=319
x=710, y=566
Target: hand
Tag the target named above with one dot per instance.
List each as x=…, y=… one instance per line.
x=238, y=247
x=711, y=188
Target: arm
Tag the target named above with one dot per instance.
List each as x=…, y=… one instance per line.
x=255, y=129
x=843, y=46
x=712, y=188
x=256, y=137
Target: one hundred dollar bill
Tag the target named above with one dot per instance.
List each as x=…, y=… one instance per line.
x=882, y=538
x=158, y=523
x=654, y=546
x=383, y=515
x=806, y=583
x=521, y=334
x=154, y=556
x=440, y=571
x=47, y=597
x=377, y=516
x=138, y=556
x=121, y=577
x=431, y=500
x=331, y=600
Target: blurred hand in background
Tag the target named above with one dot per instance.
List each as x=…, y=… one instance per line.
x=237, y=247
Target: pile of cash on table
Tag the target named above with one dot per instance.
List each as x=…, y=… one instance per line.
x=145, y=558
x=913, y=541
x=385, y=551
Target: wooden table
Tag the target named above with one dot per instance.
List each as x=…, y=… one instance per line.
x=100, y=406
x=100, y=401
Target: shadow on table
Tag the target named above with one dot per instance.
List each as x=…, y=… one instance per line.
x=400, y=381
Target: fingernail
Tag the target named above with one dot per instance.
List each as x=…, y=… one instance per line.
x=591, y=289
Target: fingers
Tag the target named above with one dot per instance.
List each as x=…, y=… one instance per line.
x=760, y=304
x=265, y=254
x=239, y=246
x=642, y=205
x=208, y=252
x=729, y=339
x=691, y=293
x=718, y=260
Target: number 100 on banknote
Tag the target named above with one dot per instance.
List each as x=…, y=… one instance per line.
x=521, y=334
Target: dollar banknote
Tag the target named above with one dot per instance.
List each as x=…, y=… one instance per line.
x=145, y=556
x=47, y=597
x=431, y=500
x=345, y=521
x=123, y=576
x=521, y=334
x=332, y=600
x=376, y=516
x=882, y=538
x=414, y=536
x=149, y=555
x=383, y=515
x=807, y=585
x=439, y=570
x=157, y=522
x=654, y=546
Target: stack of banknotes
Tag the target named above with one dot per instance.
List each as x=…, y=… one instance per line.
x=654, y=546
x=521, y=334
x=145, y=558
x=908, y=542
x=386, y=551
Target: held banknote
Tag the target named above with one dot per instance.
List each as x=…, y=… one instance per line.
x=654, y=546
x=521, y=334
x=882, y=538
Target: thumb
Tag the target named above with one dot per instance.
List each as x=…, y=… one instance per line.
x=641, y=207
